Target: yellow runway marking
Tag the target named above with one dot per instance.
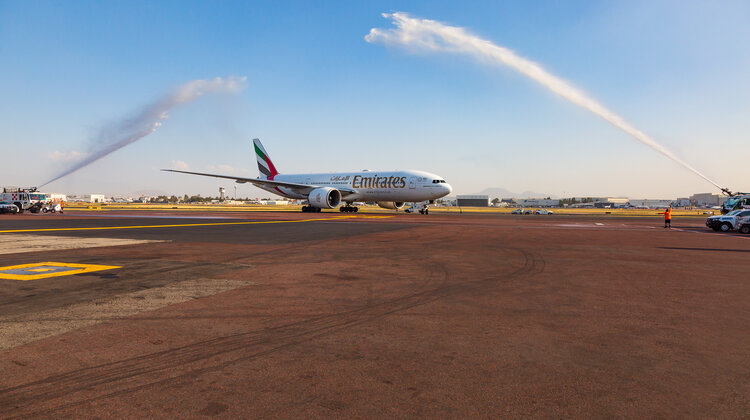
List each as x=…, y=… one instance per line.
x=191, y=224
x=49, y=269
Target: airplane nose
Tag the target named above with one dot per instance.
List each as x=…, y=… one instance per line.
x=448, y=188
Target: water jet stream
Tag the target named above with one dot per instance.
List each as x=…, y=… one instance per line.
x=129, y=130
x=424, y=34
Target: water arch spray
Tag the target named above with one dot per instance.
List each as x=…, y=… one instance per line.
x=429, y=35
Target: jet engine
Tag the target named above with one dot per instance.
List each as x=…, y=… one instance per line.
x=324, y=198
x=391, y=205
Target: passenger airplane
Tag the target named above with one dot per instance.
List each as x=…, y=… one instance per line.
x=391, y=190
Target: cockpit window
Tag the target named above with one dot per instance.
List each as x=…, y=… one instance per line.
x=438, y=181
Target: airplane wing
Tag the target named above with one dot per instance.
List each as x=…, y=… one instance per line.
x=298, y=188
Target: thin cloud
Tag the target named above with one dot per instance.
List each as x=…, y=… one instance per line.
x=227, y=169
x=60, y=156
x=180, y=165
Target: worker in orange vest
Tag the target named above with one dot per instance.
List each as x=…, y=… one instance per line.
x=668, y=218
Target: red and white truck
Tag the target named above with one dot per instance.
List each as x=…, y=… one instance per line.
x=25, y=198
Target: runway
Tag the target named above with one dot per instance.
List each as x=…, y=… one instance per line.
x=271, y=314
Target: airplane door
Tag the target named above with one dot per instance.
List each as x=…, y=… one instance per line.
x=412, y=184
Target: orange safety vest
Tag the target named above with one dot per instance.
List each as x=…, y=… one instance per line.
x=668, y=214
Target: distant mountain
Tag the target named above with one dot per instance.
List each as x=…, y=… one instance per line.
x=497, y=192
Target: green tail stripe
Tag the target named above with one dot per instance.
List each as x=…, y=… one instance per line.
x=260, y=153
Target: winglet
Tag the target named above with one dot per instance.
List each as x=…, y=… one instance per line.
x=265, y=166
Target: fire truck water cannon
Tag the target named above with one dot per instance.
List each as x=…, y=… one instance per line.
x=735, y=201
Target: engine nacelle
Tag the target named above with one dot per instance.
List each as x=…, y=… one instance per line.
x=391, y=205
x=324, y=198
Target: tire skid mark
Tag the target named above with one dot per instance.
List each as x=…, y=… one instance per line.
x=166, y=359
x=21, y=400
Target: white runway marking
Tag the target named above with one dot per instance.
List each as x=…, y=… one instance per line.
x=16, y=244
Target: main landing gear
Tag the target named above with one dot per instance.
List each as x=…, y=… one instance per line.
x=348, y=209
x=310, y=209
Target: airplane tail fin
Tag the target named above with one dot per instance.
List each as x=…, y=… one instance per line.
x=265, y=166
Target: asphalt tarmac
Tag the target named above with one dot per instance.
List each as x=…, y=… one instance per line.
x=381, y=315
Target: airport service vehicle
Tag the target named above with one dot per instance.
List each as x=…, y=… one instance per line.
x=517, y=211
x=390, y=189
x=729, y=221
x=422, y=208
x=6, y=207
x=51, y=208
x=737, y=201
x=543, y=211
x=24, y=198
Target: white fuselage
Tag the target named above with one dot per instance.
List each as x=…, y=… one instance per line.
x=398, y=186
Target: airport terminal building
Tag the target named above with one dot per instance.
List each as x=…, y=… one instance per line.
x=708, y=199
x=537, y=202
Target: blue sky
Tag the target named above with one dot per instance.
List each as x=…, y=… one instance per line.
x=323, y=99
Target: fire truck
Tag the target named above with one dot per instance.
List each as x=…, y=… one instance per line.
x=736, y=202
x=25, y=198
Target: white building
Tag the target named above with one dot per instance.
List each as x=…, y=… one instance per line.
x=651, y=204
x=96, y=198
x=616, y=201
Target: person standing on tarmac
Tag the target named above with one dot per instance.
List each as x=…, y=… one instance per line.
x=668, y=218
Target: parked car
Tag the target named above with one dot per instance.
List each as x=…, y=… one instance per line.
x=8, y=207
x=729, y=221
x=517, y=211
x=543, y=211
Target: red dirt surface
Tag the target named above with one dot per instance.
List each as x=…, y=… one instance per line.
x=436, y=316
